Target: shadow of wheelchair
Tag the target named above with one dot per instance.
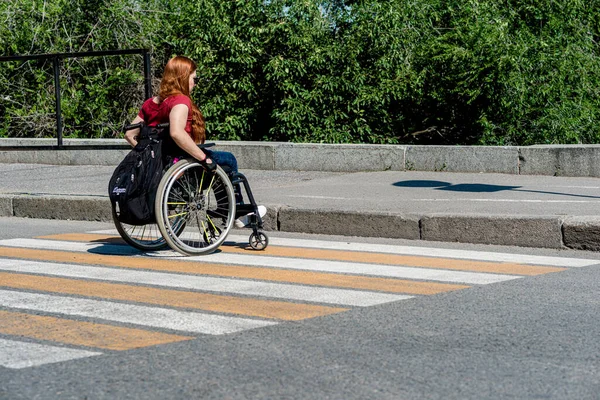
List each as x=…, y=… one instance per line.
x=113, y=246
x=116, y=246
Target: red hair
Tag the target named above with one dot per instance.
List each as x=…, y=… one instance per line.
x=175, y=80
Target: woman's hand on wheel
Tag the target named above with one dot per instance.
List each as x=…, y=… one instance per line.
x=208, y=164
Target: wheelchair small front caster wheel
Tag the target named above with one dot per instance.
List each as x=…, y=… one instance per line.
x=258, y=241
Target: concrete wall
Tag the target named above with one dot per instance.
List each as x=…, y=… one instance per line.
x=567, y=160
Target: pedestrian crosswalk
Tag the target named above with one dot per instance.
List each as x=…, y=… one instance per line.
x=72, y=296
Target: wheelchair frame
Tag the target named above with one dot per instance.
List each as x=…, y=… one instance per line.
x=189, y=216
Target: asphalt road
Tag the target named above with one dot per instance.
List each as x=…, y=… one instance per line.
x=535, y=337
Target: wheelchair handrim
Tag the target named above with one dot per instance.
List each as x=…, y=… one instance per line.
x=178, y=240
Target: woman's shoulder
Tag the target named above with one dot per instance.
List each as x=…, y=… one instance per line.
x=178, y=99
x=151, y=102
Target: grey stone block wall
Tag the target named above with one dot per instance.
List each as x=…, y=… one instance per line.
x=250, y=155
x=339, y=158
x=463, y=159
x=563, y=160
x=63, y=157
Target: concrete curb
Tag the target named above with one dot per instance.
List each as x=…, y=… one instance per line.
x=553, y=160
x=581, y=233
x=526, y=231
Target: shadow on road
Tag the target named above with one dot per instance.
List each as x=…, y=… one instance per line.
x=113, y=246
x=477, y=188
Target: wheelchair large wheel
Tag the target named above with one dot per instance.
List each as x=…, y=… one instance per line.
x=205, y=203
x=142, y=237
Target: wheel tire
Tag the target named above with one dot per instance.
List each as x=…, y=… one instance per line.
x=258, y=240
x=142, y=237
x=178, y=196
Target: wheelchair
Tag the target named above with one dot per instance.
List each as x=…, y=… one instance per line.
x=195, y=209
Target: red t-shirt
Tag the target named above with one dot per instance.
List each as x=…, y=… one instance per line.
x=154, y=114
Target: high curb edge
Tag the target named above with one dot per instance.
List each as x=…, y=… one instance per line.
x=582, y=233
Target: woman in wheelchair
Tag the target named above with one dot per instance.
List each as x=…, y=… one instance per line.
x=175, y=106
x=199, y=198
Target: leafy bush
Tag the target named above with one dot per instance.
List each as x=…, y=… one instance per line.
x=502, y=72
x=518, y=72
x=98, y=94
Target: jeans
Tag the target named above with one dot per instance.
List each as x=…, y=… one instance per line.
x=224, y=159
x=228, y=162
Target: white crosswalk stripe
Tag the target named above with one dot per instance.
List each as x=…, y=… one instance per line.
x=59, y=245
x=17, y=355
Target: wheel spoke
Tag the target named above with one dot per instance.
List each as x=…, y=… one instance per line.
x=143, y=237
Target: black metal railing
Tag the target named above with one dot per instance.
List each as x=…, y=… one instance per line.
x=56, y=65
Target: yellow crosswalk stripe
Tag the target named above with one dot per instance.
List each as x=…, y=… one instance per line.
x=167, y=297
x=234, y=271
x=394, y=259
x=355, y=256
x=81, y=333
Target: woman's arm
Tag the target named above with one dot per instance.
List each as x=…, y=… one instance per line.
x=131, y=135
x=177, y=122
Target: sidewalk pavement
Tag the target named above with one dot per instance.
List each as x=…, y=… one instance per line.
x=487, y=208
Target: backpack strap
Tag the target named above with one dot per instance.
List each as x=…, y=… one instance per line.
x=154, y=132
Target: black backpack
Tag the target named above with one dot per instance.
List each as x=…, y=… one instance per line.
x=132, y=187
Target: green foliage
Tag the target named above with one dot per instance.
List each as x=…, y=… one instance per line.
x=517, y=72
x=226, y=40
x=98, y=94
x=504, y=72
